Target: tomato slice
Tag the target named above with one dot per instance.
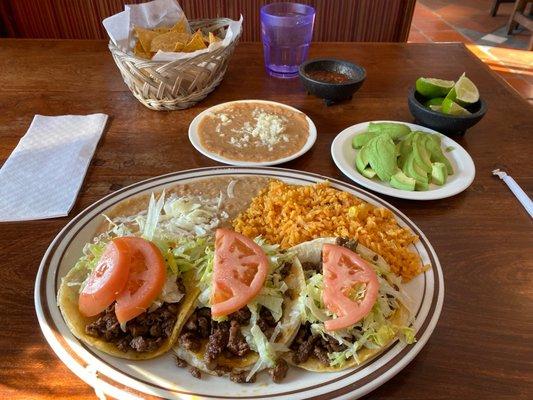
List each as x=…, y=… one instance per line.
x=147, y=274
x=239, y=272
x=107, y=279
x=344, y=269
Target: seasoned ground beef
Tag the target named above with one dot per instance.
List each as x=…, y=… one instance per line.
x=332, y=345
x=237, y=343
x=146, y=332
x=304, y=350
x=195, y=372
x=242, y=316
x=189, y=341
x=222, y=370
x=305, y=345
x=225, y=338
x=199, y=323
x=348, y=243
x=240, y=377
x=279, y=372
x=309, y=266
x=266, y=322
x=180, y=363
x=284, y=270
x=322, y=354
x=217, y=342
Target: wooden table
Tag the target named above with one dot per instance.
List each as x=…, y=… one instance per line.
x=481, y=347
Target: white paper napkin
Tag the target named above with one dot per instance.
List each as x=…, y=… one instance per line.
x=42, y=177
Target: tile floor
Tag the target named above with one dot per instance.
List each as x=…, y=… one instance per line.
x=468, y=21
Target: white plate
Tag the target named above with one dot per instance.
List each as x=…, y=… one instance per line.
x=195, y=140
x=464, y=169
x=124, y=379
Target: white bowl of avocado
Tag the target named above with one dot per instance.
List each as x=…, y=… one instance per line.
x=403, y=160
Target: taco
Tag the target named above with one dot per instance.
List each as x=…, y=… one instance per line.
x=353, y=306
x=247, y=313
x=134, y=286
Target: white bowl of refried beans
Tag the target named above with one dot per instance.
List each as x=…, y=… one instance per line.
x=252, y=132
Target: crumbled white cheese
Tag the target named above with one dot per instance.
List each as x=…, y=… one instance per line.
x=224, y=118
x=233, y=141
x=267, y=130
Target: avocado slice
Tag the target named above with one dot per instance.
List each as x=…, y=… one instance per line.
x=361, y=164
x=433, y=144
x=395, y=131
x=401, y=181
x=421, y=186
x=421, y=155
x=361, y=160
x=404, y=149
x=359, y=141
x=439, y=173
x=412, y=170
x=368, y=173
x=381, y=153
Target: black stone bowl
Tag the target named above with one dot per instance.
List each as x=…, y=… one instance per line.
x=332, y=92
x=444, y=123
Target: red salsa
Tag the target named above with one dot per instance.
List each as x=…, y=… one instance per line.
x=328, y=76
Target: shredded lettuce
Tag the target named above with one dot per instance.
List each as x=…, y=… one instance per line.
x=171, y=293
x=152, y=217
x=91, y=255
x=311, y=304
x=267, y=350
x=375, y=330
x=271, y=295
x=177, y=225
x=263, y=347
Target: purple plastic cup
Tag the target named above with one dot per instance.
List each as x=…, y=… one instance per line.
x=286, y=32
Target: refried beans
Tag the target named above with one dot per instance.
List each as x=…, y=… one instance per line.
x=255, y=132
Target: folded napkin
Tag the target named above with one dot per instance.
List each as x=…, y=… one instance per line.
x=43, y=175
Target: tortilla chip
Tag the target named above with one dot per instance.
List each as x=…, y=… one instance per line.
x=139, y=51
x=213, y=38
x=180, y=26
x=145, y=36
x=179, y=47
x=167, y=41
x=195, y=43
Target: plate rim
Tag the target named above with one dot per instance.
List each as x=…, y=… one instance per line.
x=436, y=194
x=195, y=140
x=428, y=323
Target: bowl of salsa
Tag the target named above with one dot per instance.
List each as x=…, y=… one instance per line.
x=330, y=79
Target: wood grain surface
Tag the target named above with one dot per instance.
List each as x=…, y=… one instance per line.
x=482, y=345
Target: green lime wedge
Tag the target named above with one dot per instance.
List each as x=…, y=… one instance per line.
x=452, y=108
x=466, y=92
x=451, y=95
x=431, y=87
x=435, y=107
x=437, y=101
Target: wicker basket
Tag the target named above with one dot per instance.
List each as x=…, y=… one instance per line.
x=175, y=85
